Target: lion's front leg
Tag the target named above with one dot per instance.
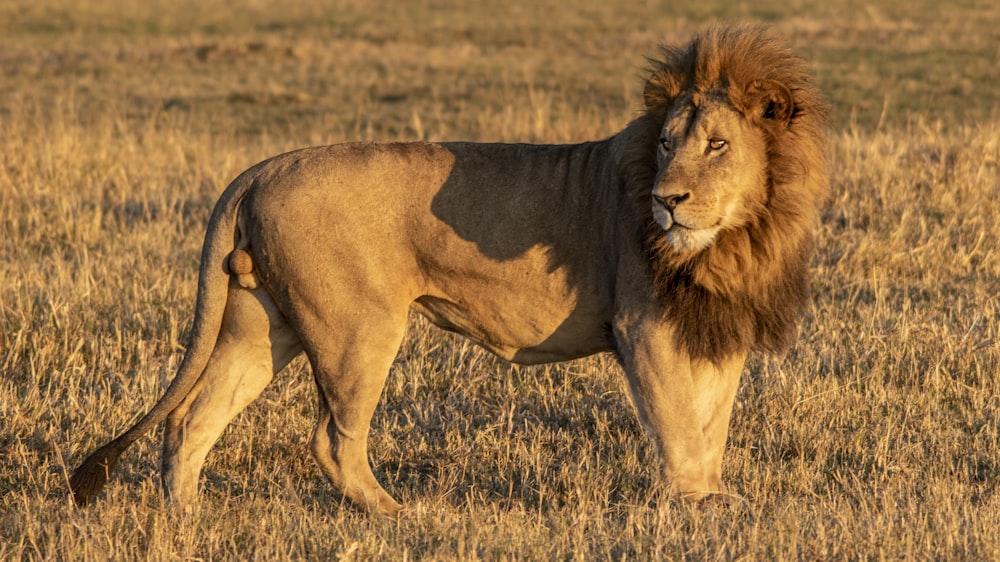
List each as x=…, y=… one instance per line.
x=717, y=387
x=685, y=405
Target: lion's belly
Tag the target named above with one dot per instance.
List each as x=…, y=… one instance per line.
x=522, y=315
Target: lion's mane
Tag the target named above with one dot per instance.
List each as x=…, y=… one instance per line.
x=748, y=290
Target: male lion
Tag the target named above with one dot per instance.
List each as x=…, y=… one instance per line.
x=680, y=244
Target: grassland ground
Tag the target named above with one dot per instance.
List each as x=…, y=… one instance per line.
x=877, y=436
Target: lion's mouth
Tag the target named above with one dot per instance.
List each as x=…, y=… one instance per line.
x=684, y=236
x=676, y=225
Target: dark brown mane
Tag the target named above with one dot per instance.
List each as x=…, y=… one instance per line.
x=748, y=290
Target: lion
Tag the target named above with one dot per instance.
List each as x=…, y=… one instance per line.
x=680, y=245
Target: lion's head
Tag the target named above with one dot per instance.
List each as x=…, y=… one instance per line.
x=711, y=175
x=727, y=165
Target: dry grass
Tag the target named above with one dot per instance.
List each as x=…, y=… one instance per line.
x=120, y=122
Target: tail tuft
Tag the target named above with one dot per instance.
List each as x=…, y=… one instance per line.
x=89, y=479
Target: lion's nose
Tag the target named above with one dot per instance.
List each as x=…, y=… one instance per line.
x=673, y=200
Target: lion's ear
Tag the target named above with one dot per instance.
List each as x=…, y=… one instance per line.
x=771, y=100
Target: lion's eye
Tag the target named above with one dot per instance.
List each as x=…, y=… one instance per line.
x=665, y=144
x=716, y=144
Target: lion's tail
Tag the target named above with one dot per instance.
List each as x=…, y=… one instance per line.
x=89, y=478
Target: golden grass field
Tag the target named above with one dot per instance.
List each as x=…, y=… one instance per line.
x=876, y=437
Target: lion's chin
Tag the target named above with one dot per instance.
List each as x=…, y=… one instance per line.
x=690, y=241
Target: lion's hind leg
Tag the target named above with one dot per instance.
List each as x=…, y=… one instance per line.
x=254, y=343
x=350, y=362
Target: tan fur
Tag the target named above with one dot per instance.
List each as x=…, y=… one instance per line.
x=681, y=257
